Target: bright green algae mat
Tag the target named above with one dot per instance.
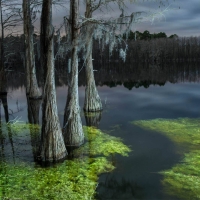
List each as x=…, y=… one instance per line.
x=74, y=179
x=182, y=180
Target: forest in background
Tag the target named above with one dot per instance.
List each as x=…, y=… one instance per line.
x=157, y=50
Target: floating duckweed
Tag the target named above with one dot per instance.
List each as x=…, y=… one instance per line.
x=183, y=180
x=73, y=179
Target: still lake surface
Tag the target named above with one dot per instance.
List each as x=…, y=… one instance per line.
x=169, y=92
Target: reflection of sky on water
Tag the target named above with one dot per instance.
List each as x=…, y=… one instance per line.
x=135, y=176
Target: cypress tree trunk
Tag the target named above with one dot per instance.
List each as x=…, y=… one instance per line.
x=92, y=99
x=52, y=143
x=3, y=79
x=32, y=86
x=33, y=110
x=73, y=132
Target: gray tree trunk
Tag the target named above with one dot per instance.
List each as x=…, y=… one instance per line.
x=52, y=143
x=3, y=79
x=32, y=86
x=92, y=100
x=73, y=132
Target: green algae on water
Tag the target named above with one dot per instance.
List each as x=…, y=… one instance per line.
x=182, y=180
x=100, y=143
x=73, y=179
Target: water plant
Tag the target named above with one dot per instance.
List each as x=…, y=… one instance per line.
x=75, y=179
x=183, y=179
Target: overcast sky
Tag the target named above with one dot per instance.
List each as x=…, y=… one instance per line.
x=183, y=22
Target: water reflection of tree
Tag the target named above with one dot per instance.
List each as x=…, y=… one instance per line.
x=143, y=75
x=3, y=128
x=3, y=99
x=2, y=138
x=113, y=188
x=93, y=118
x=115, y=74
x=33, y=117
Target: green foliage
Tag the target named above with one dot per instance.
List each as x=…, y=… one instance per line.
x=173, y=36
x=183, y=180
x=146, y=35
x=73, y=179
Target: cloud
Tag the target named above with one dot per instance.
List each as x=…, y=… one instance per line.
x=183, y=21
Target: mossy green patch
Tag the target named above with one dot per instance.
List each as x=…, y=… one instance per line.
x=182, y=131
x=183, y=180
x=100, y=143
x=73, y=179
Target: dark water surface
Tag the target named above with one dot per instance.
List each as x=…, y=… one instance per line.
x=136, y=176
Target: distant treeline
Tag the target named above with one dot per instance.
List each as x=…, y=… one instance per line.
x=160, y=50
x=157, y=50
x=146, y=35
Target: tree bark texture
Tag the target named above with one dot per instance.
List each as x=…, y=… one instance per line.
x=33, y=110
x=32, y=86
x=73, y=132
x=3, y=79
x=52, y=143
x=92, y=100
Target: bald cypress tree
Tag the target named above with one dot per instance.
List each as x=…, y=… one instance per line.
x=52, y=143
x=73, y=132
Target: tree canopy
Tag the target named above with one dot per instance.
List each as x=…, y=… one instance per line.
x=146, y=35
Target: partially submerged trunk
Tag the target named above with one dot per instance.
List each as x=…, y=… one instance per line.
x=73, y=132
x=3, y=79
x=32, y=86
x=33, y=110
x=92, y=100
x=52, y=143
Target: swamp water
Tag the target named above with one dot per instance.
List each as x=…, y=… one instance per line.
x=146, y=145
